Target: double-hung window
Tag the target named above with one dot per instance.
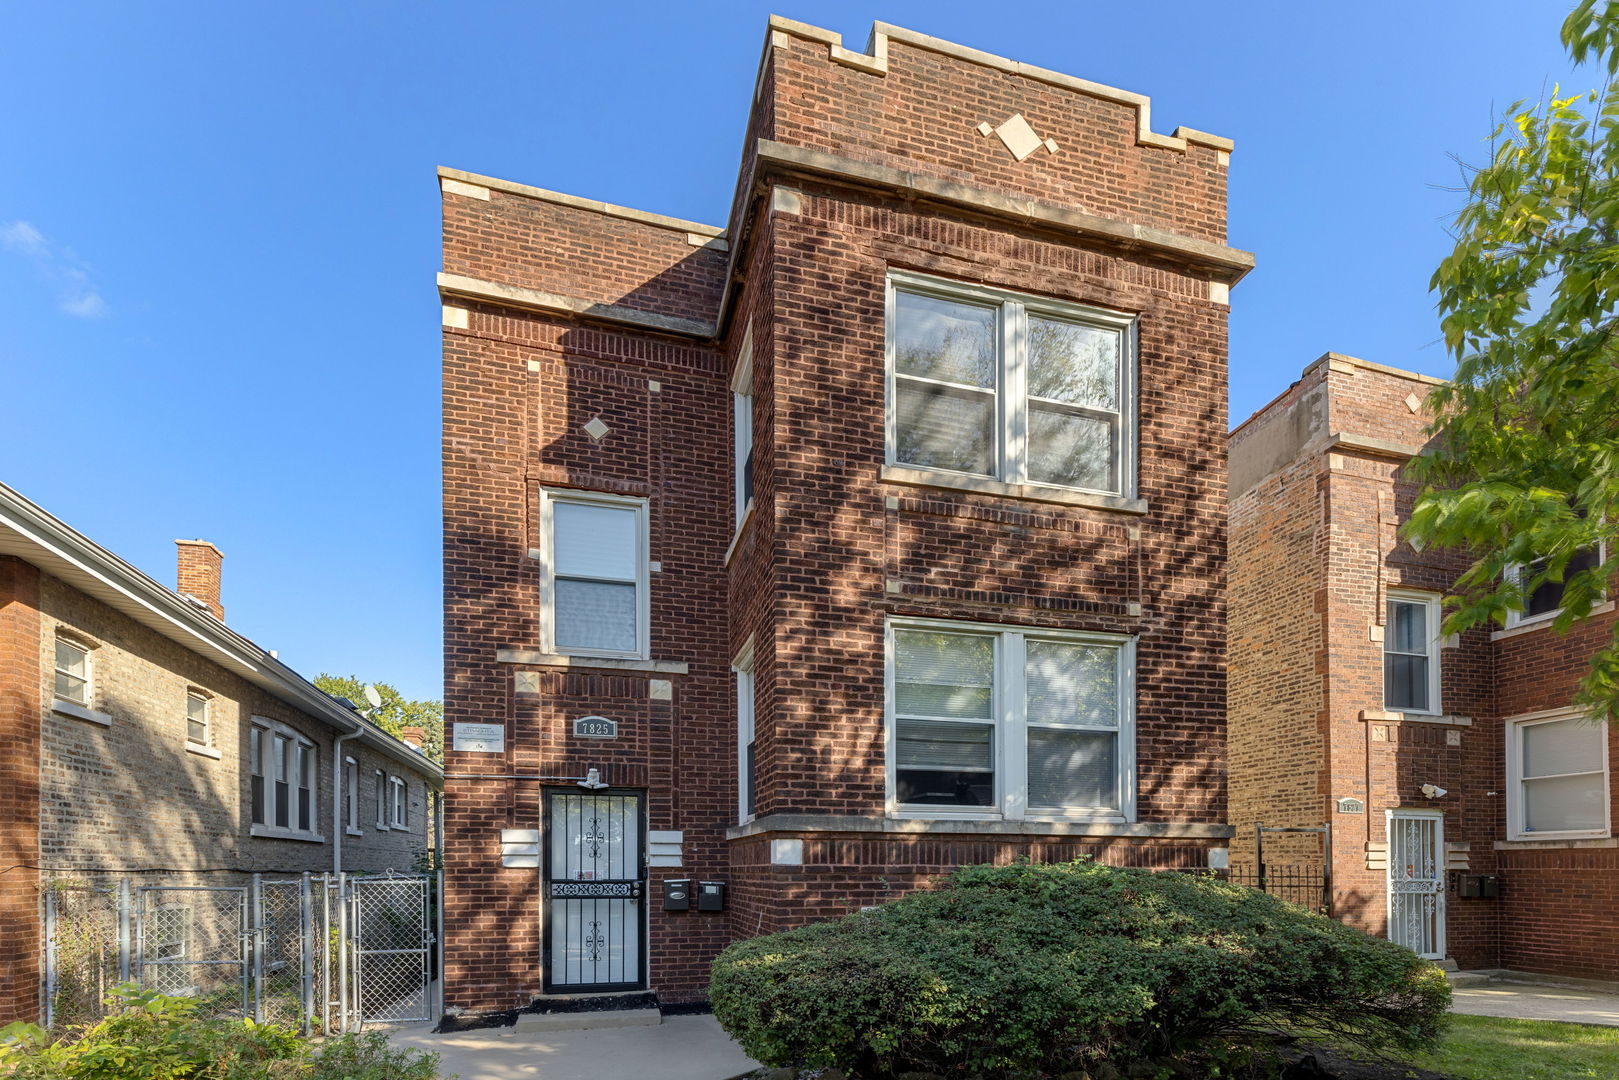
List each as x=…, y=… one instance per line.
x=398, y=803
x=285, y=777
x=382, y=800
x=987, y=721
x=351, y=794
x=1011, y=388
x=1411, y=653
x=72, y=672
x=1557, y=777
x=747, y=763
x=196, y=719
x=1544, y=601
x=595, y=580
x=742, y=427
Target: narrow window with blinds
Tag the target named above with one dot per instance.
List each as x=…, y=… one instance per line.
x=1411, y=653
x=988, y=721
x=595, y=575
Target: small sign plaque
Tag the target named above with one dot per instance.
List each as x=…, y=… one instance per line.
x=1351, y=806
x=479, y=738
x=595, y=727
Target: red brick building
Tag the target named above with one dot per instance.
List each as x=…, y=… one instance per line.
x=1446, y=767
x=879, y=532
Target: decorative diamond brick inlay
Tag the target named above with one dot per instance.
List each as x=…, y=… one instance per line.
x=596, y=429
x=1019, y=137
x=1413, y=402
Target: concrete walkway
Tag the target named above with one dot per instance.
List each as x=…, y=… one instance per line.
x=1527, y=1002
x=680, y=1048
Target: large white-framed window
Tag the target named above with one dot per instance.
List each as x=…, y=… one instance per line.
x=595, y=592
x=398, y=803
x=991, y=721
x=747, y=767
x=1411, y=652
x=742, y=428
x=1557, y=776
x=1542, y=603
x=73, y=671
x=285, y=770
x=1020, y=389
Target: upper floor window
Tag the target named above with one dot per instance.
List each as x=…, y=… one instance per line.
x=1557, y=777
x=1013, y=388
x=196, y=719
x=284, y=767
x=1411, y=653
x=399, y=803
x=72, y=672
x=742, y=424
x=1545, y=600
x=594, y=574
x=989, y=721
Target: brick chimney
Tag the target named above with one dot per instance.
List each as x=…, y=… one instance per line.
x=198, y=575
x=414, y=737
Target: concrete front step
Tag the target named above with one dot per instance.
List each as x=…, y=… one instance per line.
x=585, y=1021
x=1461, y=979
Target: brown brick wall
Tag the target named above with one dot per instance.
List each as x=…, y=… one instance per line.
x=21, y=696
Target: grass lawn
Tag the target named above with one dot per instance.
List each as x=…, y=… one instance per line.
x=1490, y=1048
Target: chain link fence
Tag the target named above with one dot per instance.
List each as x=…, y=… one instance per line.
x=318, y=952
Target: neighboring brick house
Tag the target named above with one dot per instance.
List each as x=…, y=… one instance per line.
x=826, y=625
x=1349, y=708
x=140, y=734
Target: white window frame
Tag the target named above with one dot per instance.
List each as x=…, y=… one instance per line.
x=1434, y=616
x=89, y=675
x=380, y=785
x=1516, y=807
x=549, y=497
x=270, y=761
x=742, y=430
x=1011, y=730
x=1011, y=464
x=351, y=796
x=398, y=803
x=206, y=720
x=746, y=732
x=1516, y=619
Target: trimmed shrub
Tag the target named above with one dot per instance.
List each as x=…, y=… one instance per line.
x=1050, y=969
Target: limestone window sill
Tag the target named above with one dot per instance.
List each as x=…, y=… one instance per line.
x=535, y=658
x=203, y=751
x=1542, y=623
x=352, y=831
x=983, y=485
x=270, y=832
x=1551, y=842
x=1381, y=716
x=80, y=712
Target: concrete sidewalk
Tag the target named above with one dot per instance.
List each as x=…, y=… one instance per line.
x=680, y=1048
x=1529, y=1002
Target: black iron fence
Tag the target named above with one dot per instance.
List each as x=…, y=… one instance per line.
x=1306, y=886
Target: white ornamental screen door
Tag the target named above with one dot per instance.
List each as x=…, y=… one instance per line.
x=1417, y=881
x=595, y=922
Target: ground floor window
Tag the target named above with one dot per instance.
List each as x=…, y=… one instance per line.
x=1557, y=768
x=989, y=721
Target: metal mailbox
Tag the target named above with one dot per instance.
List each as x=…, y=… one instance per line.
x=711, y=896
x=677, y=894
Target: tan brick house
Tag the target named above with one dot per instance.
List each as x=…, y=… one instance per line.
x=141, y=735
x=878, y=532
x=1468, y=803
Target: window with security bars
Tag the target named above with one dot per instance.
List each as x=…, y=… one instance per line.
x=595, y=574
x=196, y=719
x=1411, y=653
x=72, y=672
x=1009, y=387
x=1558, y=777
x=991, y=721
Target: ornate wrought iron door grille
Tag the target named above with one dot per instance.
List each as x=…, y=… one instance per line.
x=1417, y=884
x=595, y=924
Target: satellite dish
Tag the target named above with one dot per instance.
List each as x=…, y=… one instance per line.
x=372, y=696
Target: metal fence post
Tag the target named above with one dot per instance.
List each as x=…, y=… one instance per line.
x=306, y=944
x=1259, y=852
x=343, y=931
x=125, y=968
x=253, y=974
x=50, y=954
x=326, y=954
x=1326, y=868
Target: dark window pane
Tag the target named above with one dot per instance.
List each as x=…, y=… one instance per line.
x=1069, y=449
x=303, y=809
x=944, y=428
x=1405, y=681
x=281, y=807
x=1072, y=769
x=944, y=340
x=943, y=788
x=1548, y=597
x=258, y=800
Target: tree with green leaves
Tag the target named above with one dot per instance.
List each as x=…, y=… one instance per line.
x=1523, y=472
x=395, y=712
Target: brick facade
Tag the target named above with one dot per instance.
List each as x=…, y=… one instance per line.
x=560, y=311
x=114, y=787
x=1318, y=492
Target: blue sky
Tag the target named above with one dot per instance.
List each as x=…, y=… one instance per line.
x=219, y=229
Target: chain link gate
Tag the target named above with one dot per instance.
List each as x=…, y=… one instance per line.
x=322, y=953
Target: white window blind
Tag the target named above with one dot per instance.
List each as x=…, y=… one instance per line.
x=597, y=575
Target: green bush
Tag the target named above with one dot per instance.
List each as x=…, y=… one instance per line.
x=1050, y=969
x=149, y=1036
